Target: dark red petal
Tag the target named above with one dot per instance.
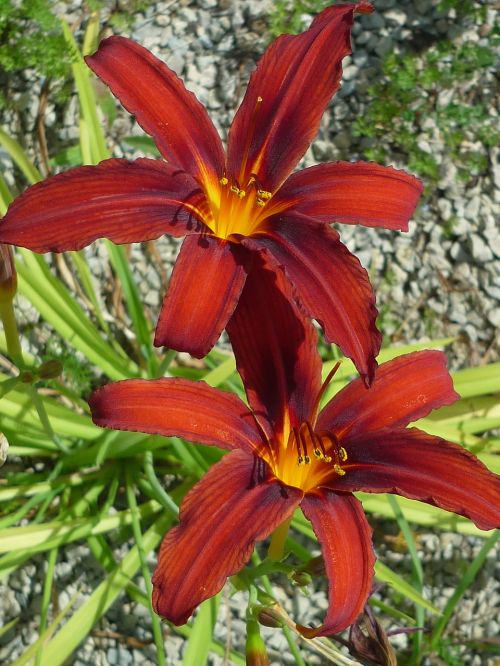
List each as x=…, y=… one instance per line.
x=206, y=283
x=330, y=282
x=342, y=530
x=220, y=520
x=404, y=390
x=120, y=200
x=423, y=467
x=275, y=349
x=286, y=97
x=353, y=193
x=163, y=107
x=176, y=408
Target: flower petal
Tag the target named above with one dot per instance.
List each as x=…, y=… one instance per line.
x=176, y=408
x=275, y=349
x=163, y=107
x=286, y=97
x=117, y=199
x=419, y=466
x=354, y=193
x=220, y=520
x=342, y=530
x=404, y=390
x=206, y=283
x=330, y=282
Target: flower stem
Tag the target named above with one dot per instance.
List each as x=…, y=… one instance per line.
x=11, y=333
x=16, y=353
x=278, y=538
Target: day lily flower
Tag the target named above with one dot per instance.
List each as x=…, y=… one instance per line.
x=286, y=452
x=234, y=206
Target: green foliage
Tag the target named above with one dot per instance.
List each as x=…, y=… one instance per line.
x=31, y=37
x=464, y=8
x=287, y=15
x=121, y=14
x=412, y=93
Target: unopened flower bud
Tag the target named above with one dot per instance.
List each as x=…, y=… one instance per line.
x=8, y=275
x=50, y=369
x=256, y=653
x=300, y=578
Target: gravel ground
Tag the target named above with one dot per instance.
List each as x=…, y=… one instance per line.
x=434, y=281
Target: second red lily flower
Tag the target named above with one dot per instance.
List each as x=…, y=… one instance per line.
x=285, y=451
x=234, y=207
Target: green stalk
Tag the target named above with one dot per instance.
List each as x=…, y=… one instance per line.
x=136, y=528
x=418, y=575
x=11, y=332
x=278, y=539
x=44, y=419
x=162, y=496
x=170, y=354
x=286, y=630
x=47, y=591
x=15, y=351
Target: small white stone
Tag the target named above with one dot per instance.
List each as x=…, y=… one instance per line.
x=4, y=448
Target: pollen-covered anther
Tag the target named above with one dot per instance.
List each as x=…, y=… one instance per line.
x=338, y=453
x=223, y=181
x=264, y=195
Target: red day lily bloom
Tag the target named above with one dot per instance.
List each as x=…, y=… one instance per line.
x=285, y=452
x=234, y=207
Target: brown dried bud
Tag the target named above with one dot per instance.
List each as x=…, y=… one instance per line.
x=368, y=641
x=315, y=566
x=27, y=377
x=269, y=617
x=8, y=275
x=50, y=369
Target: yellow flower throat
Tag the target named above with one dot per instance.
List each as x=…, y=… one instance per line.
x=309, y=459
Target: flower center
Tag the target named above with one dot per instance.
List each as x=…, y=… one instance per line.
x=309, y=459
x=238, y=203
x=238, y=209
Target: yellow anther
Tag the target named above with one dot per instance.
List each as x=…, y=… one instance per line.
x=307, y=460
x=234, y=189
x=241, y=194
x=264, y=194
x=223, y=180
x=338, y=470
x=328, y=459
x=317, y=453
x=300, y=460
x=342, y=454
x=259, y=202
